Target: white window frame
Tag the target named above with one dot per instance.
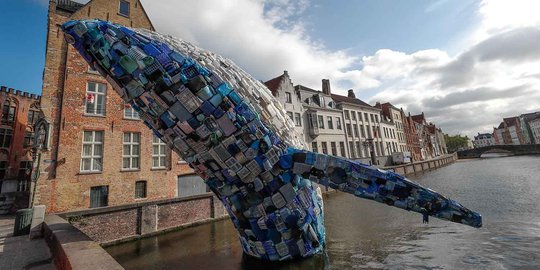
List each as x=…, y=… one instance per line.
x=120, y=8
x=288, y=97
x=130, y=156
x=160, y=155
x=96, y=94
x=297, y=119
x=130, y=113
x=93, y=157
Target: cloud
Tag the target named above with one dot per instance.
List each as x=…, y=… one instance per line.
x=470, y=92
x=495, y=75
x=263, y=37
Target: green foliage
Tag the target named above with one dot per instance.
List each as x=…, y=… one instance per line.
x=456, y=142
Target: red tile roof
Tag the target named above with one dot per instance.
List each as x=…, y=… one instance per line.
x=274, y=84
x=510, y=121
x=419, y=118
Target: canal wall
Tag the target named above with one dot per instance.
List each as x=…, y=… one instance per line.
x=422, y=166
x=112, y=225
x=72, y=249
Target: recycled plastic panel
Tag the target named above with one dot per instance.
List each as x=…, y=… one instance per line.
x=237, y=137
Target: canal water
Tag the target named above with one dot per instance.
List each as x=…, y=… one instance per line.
x=366, y=235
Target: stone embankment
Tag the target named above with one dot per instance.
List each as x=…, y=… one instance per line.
x=422, y=166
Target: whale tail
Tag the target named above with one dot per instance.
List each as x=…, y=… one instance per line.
x=371, y=183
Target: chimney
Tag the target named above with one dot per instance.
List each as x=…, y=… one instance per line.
x=286, y=73
x=351, y=94
x=326, y=87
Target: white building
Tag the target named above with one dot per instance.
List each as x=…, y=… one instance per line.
x=325, y=130
x=362, y=123
x=394, y=115
x=535, y=129
x=483, y=139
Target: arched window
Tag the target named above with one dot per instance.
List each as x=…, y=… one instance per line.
x=8, y=112
x=33, y=114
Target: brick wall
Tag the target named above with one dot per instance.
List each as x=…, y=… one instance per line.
x=111, y=224
x=62, y=186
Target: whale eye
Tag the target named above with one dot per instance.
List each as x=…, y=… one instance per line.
x=69, y=38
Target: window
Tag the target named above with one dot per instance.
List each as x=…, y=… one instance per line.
x=358, y=149
x=25, y=168
x=92, y=70
x=324, y=147
x=99, y=196
x=376, y=118
x=347, y=115
x=349, y=131
x=92, y=152
x=124, y=8
x=8, y=112
x=375, y=135
x=297, y=120
x=158, y=153
x=334, y=148
x=314, y=147
x=353, y=115
x=290, y=114
x=32, y=116
x=311, y=120
x=130, y=113
x=28, y=138
x=372, y=120
x=131, y=151
x=362, y=132
x=140, y=189
x=351, y=147
x=5, y=137
x=330, y=122
x=95, y=98
x=342, y=149
x=321, y=121
x=189, y=185
x=338, y=123
x=289, y=97
x=360, y=116
x=355, y=128
x=3, y=168
x=365, y=117
x=369, y=132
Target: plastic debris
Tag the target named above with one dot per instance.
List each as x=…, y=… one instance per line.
x=238, y=138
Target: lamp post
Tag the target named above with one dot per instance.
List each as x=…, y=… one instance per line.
x=369, y=144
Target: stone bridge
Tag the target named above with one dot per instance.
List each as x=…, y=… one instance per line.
x=528, y=149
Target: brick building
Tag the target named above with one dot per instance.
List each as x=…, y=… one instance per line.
x=18, y=114
x=411, y=136
x=99, y=153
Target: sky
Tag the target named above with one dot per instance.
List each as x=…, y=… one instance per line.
x=465, y=64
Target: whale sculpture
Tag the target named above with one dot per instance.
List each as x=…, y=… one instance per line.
x=238, y=138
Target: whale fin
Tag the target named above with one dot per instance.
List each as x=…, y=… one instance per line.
x=368, y=182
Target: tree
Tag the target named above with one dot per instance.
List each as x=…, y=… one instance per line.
x=456, y=142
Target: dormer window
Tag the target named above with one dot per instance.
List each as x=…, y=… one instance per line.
x=124, y=8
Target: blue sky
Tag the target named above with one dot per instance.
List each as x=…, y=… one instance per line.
x=23, y=25
x=465, y=63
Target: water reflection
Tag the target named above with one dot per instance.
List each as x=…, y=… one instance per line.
x=368, y=235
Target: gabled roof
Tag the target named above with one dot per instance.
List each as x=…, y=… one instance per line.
x=510, y=121
x=419, y=118
x=339, y=98
x=274, y=84
x=301, y=87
